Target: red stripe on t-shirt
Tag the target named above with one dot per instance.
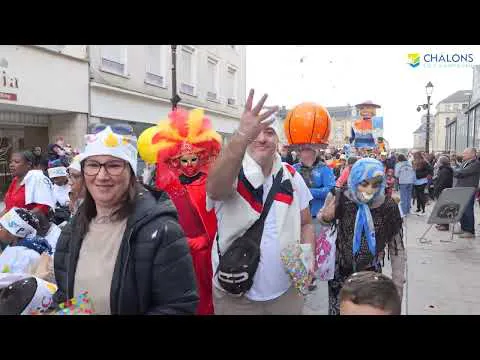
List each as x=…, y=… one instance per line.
x=243, y=191
x=287, y=199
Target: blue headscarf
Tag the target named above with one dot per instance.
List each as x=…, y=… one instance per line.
x=365, y=169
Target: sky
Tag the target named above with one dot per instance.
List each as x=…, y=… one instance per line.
x=337, y=75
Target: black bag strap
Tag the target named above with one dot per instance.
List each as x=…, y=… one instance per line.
x=273, y=191
x=257, y=227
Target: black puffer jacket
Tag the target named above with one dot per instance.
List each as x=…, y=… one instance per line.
x=154, y=271
x=443, y=181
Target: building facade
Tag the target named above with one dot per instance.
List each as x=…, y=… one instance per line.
x=43, y=93
x=446, y=111
x=342, y=119
x=464, y=130
x=133, y=83
x=60, y=90
x=420, y=135
x=43, y=89
x=456, y=138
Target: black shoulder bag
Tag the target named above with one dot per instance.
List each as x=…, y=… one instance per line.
x=238, y=265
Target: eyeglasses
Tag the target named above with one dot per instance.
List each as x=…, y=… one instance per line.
x=119, y=129
x=112, y=167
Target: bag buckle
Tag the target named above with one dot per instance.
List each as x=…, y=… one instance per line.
x=233, y=278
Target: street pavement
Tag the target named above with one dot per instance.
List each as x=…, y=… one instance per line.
x=443, y=276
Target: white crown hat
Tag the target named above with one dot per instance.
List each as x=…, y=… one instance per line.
x=15, y=225
x=57, y=172
x=106, y=142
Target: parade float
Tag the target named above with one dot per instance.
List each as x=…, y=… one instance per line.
x=308, y=123
x=362, y=128
x=367, y=131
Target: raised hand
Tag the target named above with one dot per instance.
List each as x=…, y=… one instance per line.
x=252, y=122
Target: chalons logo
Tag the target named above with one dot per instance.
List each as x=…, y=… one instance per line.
x=414, y=59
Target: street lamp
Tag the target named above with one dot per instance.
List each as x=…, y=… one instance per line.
x=175, y=98
x=428, y=91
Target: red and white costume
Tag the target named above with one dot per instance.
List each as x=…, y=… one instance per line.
x=183, y=146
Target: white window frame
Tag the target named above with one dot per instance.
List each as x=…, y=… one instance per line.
x=124, y=58
x=235, y=83
x=164, y=53
x=216, y=80
x=194, y=54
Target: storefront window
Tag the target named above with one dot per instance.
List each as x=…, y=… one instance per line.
x=447, y=138
x=462, y=123
x=477, y=127
x=471, y=124
x=454, y=136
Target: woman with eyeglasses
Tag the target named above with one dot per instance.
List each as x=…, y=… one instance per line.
x=124, y=245
x=30, y=189
x=365, y=221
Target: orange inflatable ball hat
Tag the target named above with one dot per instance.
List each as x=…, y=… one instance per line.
x=308, y=123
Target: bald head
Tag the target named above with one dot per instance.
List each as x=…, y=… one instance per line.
x=469, y=154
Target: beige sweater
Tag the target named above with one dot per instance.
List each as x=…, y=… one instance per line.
x=96, y=263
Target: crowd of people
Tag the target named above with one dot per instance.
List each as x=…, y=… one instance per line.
x=205, y=231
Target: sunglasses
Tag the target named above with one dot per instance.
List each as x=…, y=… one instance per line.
x=119, y=129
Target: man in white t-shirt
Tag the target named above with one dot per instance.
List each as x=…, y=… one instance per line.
x=233, y=182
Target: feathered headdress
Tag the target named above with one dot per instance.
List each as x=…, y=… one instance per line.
x=182, y=133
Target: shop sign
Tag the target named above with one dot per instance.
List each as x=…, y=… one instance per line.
x=9, y=84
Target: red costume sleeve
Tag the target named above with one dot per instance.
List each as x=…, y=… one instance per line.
x=16, y=198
